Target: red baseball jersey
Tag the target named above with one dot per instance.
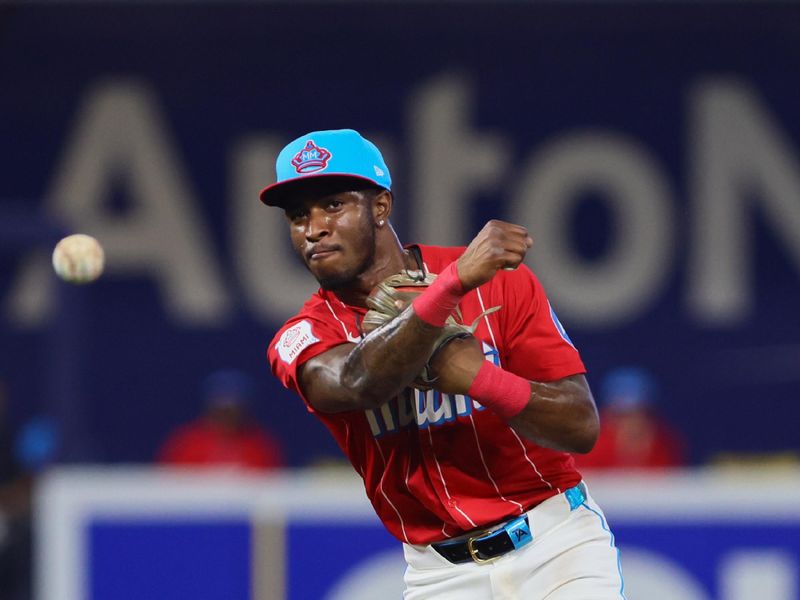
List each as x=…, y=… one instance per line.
x=438, y=465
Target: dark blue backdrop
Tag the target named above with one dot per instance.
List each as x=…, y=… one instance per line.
x=220, y=73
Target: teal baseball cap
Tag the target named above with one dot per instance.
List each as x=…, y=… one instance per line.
x=337, y=154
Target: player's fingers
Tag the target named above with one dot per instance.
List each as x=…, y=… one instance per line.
x=502, y=231
x=517, y=246
x=511, y=260
x=515, y=251
x=519, y=233
x=506, y=225
x=516, y=233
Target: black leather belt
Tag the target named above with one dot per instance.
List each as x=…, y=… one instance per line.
x=485, y=546
x=482, y=547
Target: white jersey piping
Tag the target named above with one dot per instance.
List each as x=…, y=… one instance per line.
x=335, y=316
x=349, y=337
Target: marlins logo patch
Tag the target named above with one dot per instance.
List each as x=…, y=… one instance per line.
x=294, y=340
x=311, y=158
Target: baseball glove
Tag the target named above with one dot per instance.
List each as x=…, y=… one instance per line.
x=391, y=297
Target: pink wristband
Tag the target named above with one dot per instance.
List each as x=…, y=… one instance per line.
x=437, y=302
x=505, y=393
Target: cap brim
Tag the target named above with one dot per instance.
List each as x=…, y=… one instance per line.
x=281, y=193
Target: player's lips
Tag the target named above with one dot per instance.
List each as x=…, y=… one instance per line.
x=320, y=251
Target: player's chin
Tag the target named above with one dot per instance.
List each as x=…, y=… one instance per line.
x=330, y=278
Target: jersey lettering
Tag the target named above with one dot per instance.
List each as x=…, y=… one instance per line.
x=425, y=408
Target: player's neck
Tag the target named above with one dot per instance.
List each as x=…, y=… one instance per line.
x=390, y=258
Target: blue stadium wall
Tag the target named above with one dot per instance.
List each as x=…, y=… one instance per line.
x=652, y=148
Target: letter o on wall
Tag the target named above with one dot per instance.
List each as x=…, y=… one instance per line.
x=618, y=286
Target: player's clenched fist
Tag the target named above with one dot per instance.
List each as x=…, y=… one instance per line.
x=499, y=245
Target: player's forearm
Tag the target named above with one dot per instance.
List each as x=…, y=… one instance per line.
x=386, y=361
x=390, y=357
x=560, y=415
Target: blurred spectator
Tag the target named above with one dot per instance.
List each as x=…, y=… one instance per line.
x=632, y=432
x=21, y=458
x=225, y=435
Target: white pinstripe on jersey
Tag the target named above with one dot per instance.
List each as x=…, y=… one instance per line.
x=497, y=347
x=386, y=496
x=486, y=467
x=444, y=483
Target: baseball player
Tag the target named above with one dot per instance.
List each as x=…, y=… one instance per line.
x=460, y=402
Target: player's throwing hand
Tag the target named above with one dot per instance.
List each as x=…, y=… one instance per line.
x=499, y=245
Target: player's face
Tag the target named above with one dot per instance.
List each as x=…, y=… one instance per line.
x=334, y=234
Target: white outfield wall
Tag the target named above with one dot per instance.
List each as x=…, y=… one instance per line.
x=136, y=533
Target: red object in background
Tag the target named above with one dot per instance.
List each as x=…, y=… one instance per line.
x=634, y=439
x=204, y=443
x=633, y=434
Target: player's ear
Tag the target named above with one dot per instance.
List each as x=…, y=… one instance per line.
x=382, y=207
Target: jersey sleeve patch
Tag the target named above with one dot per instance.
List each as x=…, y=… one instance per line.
x=561, y=331
x=294, y=340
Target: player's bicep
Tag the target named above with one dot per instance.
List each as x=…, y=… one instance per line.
x=320, y=378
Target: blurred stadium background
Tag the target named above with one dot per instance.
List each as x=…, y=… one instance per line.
x=653, y=149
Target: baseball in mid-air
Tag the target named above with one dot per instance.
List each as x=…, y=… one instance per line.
x=78, y=258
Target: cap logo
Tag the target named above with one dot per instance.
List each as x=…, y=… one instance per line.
x=311, y=158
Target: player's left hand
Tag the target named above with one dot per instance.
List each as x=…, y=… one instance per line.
x=456, y=364
x=391, y=297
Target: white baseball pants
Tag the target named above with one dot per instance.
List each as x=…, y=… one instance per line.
x=572, y=557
